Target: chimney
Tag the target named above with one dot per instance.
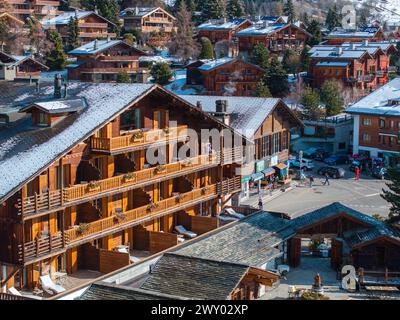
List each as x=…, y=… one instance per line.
x=108, y=38
x=199, y=105
x=352, y=46
x=221, y=111
x=339, y=51
x=37, y=86
x=96, y=10
x=136, y=11
x=365, y=42
x=57, y=86
x=65, y=90
x=76, y=13
x=96, y=44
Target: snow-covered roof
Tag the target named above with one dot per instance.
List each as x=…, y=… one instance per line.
x=65, y=18
x=371, y=47
x=344, y=54
x=140, y=12
x=221, y=25
x=261, y=30
x=15, y=60
x=98, y=46
x=247, y=113
x=332, y=64
x=363, y=33
x=212, y=64
x=380, y=101
x=58, y=106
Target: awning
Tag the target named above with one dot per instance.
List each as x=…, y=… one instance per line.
x=268, y=172
x=245, y=179
x=281, y=166
x=257, y=176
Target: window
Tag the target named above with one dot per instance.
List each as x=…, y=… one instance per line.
x=265, y=146
x=276, y=142
x=381, y=123
x=391, y=141
x=285, y=140
x=131, y=119
x=366, y=122
x=43, y=118
x=382, y=139
x=366, y=137
x=391, y=124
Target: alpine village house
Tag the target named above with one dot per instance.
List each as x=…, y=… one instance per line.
x=103, y=60
x=24, y=9
x=82, y=182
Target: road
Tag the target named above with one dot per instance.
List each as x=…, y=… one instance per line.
x=362, y=195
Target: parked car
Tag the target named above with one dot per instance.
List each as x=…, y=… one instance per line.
x=333, y=172
x=311, y=152
x=337, y=159
x=306, y=164
x=321, y=156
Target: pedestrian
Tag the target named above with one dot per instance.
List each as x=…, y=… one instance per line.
x=311, y=180
x=326, y=182
x=270, y=188
x=260, y=203
x=357, y=173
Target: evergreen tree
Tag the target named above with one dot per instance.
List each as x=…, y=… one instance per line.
x=213, y=9
x=262, y=90
x=73, y=34
x=183, y=45
x=331, y=96
x=311, y=101
x=305, y=59
x=332, y=18
x=276, y=79
x=129, y=39
x=108, y=9
x=260, y=56
x=393, y=194
x=395, y=56
x=56, y=59
x=207, y=49
x=291, y=62
x=235, y=9
x=314, y=29
x=288, y=10
x=306, y=19
x=161, y=73
x=4, y=33
x=190, y=5
x=123, y=77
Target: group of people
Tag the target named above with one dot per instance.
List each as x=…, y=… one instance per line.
x=326, y=181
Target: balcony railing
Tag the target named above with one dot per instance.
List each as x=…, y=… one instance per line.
x=110, y=224
x=109, y=70
x=93, y=25
x=137, y=140
x=96, y=35
x=119, y=58
x=27, y=75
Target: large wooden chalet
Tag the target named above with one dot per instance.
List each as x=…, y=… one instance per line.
x=91, y=25
x=24, y=9
x=277, y=37
x=81, y=191
x=14, y=67
x=363, y=65
x=338, y=37
x=103, y=60
x=225, y=76
x=222, y=30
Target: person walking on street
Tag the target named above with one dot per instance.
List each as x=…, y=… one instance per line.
x=326, y=182
x=357, y=173
x=260, y=203
x=311, y=180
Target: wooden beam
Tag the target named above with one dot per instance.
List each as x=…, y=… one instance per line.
x=12, y=274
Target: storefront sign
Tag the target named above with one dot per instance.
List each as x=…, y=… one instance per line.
x=260, y=165
x=274, y=160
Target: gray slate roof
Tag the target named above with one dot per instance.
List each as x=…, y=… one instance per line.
x=250, y=241
x=194, y=278
x=221, y=25
x=356, y=237
x=331, y=211
x=64, y=18
x=107, y=291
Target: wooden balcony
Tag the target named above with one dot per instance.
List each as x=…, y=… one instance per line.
x=96, y=35
x=119, y=58
x=137, y=140
x=27, y=75
x=109, y=225
x=109, y=70
x=40, y=248
x=93, y=25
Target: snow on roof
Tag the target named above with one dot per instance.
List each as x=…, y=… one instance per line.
x=59, y=106
x=212, y=64
x=141, y=12
x=221, y=25
x=65, y=18
x=379, y=101
x=364, y=33
x=263, y=30
x=332, y=64
x=345, y=54
x=94, y=47
x=248, y=113
x=370, y=47
x=31, y=152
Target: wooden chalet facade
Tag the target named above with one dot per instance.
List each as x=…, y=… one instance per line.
x=225, y=76
x=19, y=67
x=276, y=37
x=338, y=37
x=363, y=65
x=23, y=9
x=88, y=185
x=103, y=60
x=91, y=25
x=157, y=24
x=223, y=30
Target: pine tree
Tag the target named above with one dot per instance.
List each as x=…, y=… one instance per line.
x=73, y=34
x=123, y=77
x=291, y=62
x=235, y=9
x=262, y=90
x=183, y=45
x=213, y=9
x=4, y=33
x=260, y=56
x=306, y=19
x=276, y=79
x=310, y=100
x=393, y=194
x=207, y=49
x=314, y=29
x=129, y=39
x=56, y=59
x=331, y=96
x=305, y=59
x=161, y=73
x=332, y=18
x=288, y=11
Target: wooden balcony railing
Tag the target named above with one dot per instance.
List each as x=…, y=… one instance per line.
x=96, y=35
x=40, y=247
x=119, y=58
x=142, y=176
x=12, y=297
x=93, y=25
x=109, y=70
x=229, y=186
x=21, y=74
x=163, y=207
x=134, y=140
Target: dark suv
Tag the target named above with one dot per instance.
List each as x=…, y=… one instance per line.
x=332, y=172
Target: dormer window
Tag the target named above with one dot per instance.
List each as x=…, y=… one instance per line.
x=43, y=119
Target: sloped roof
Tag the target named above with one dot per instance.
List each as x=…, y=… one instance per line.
x=345, y=54
x=15, y=60
x=377, y=102
x=212, y=64
x=355, y=238
x=107, y=291
x=58, y=106
x=221, y=25
x=64, y=19
x=257, y=30
x=141, y=12
x=194, y=278
x=247, y=113
x=362, y=33
x=98, y=46
x=331, y=211
x=250, y=241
